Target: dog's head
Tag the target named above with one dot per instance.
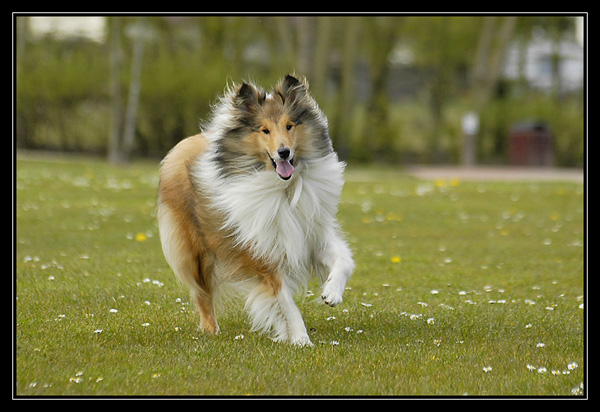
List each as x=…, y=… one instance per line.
x=275, y=130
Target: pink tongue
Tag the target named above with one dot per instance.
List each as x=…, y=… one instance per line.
x=284, y=169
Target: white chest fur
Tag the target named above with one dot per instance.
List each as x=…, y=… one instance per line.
x=282, y=221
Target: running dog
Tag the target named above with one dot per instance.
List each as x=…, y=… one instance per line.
x=251, y=202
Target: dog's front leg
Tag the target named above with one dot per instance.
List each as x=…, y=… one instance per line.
x=272, y=309
x=337, y=258
x=296, y=330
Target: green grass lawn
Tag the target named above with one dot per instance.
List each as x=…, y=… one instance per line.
x=460, y=288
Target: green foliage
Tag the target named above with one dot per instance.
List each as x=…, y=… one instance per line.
x=63, y=89
x=564, y=119
x=176, y=92
x=460, y=288
x=61, y=97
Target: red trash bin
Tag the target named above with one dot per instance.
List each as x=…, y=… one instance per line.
x=530, y=144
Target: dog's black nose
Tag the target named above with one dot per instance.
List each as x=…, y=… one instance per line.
x=283, y=152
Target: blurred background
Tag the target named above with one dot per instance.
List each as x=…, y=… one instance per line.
x=485, y=90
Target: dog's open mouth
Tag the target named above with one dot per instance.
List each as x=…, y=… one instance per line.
x=284, y=168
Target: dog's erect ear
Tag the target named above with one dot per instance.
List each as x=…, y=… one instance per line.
x=247, y=98
x=290, y=80
x=291, y=89
x=246, y=92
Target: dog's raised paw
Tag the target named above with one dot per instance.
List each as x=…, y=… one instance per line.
x=332, y=293
x=332, y=299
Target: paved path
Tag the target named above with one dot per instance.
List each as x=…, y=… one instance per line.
x=495, y=173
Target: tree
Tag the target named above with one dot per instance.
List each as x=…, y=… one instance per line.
x=122, y=144
x=115, y=90
x=318, y=72
x=382, y=34
x=343, y=115
x=440, y=51
x=138, y=35
x=447, y=46
x=495, y=34
x=494, y=37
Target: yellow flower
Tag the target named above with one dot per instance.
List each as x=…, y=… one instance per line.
x=396, y=259
x=140, y=237
x=394, y=217
x=440, y=183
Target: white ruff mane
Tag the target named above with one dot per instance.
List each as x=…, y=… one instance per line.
x=283, y=222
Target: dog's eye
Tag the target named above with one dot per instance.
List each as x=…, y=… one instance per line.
x=266, y=131
x=289, y=126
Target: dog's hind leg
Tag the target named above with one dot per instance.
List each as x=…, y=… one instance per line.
x=203, y=296
x=204, y=304
x=191, y=267
x=197, y=275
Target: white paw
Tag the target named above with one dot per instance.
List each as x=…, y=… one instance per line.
x=331, y=294
x=301, y=341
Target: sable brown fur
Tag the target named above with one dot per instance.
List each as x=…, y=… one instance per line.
x=251, y=201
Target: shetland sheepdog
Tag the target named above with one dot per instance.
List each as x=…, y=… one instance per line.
x=252, y=201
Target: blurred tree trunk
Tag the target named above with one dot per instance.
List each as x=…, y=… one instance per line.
x=115, y=90
x=313, y=44
x=318, y=75
x=493, y=41
x=440, y=84
x=558, y=26
x=343, y=118
x=378, y=136
x=284, y=52
x=122, y=137
x=21, y=130
x=138, y=34
x=496, y=33
x=306, y=42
